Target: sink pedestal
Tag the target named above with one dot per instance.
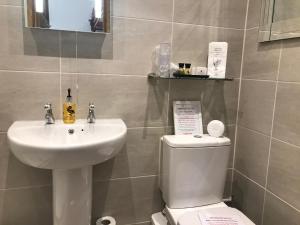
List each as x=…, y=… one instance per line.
x=72, y=196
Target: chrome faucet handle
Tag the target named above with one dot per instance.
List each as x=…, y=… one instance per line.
x=91, y=106
x=49, y=118
x=48, y=106
x=91, y=118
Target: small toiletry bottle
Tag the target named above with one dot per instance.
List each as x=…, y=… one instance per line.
x=69, y=109
x=187, y=68
x=181, y=68
x=164, y=59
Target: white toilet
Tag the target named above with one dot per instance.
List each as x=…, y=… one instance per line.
x=192, y=179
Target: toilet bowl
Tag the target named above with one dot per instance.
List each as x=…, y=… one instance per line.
x=192, y=179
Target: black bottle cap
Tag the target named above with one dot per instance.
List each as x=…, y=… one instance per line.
x=69, y=97
x=181, y=65
x=69, y=93
x=188, y=65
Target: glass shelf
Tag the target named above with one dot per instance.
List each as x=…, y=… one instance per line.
x=189, y=77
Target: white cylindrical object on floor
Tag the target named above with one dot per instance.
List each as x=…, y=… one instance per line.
x=106, y=220
x=215, y=128
x=72, y=196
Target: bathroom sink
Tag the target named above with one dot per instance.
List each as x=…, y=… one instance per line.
x=63, y=146
x=70, y=150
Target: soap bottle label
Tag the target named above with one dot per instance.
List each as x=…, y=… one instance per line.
x=69, y=113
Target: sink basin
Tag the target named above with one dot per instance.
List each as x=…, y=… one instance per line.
x=62, y=146
x=70, y=151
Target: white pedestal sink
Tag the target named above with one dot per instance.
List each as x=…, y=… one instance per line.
x=69, y=151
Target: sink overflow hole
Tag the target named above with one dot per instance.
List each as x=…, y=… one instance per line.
x=105, y=222
x=71, y=131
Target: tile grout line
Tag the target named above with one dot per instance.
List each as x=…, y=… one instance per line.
x=94, y=181
x=13, y=6
x=124, y=178
x=262, y=187
x=254, y=131
x=169, y=81
x=130, y=75
x=271, y=134
x=268, y=136
x=209, y=26
x=287, y=143
x=25, y=187
x=60, y=73
x=177, y=23
x=293, y=207
x=28, y=71
x=142, y=19
x=138, y=223
x=239, y=96
x=248, y=178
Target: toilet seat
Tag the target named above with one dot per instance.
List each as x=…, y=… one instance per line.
x=190, y=216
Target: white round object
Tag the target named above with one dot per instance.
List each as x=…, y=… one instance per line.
x=106, y=220
x=216, y=128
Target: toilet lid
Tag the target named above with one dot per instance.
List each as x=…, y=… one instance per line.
x=215, y=216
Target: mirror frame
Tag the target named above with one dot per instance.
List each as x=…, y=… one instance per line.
x=270, y=31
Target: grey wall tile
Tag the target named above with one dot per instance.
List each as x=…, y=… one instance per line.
x=127, y=51
x=248, y=197
x=27, y=206
x=287, y=117
x=252, y=152
x=289, y=65
x=24, y=48
x=1, y=204
x=227, y=190
x=254, y=12
x=138, y=158
x=220, y=13
x=147, y=9
x=128, y=200
x=260, y=59
x=24, y=94
x=279, y=213
x=136, y=100
x=230, y=133
x=14, y=174
x=191, y=42
x=218, y=99
x=94, y=46
x=68, y=44
x=256, y=105
x=284, y=170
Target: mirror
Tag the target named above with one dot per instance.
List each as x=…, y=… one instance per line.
x=280, y=19
x=68, y=15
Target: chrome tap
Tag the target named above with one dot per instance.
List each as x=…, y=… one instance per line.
x=49, y=118
x=91, y=118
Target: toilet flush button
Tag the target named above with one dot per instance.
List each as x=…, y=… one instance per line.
x=197, y=136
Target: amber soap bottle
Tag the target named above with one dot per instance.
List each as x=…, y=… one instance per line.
x=69, y=109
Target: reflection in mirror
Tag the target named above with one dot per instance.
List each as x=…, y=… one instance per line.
x=68, y=15
x=280, y=19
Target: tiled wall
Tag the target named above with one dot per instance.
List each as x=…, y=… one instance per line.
x=111, y=70
x=266, y=182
